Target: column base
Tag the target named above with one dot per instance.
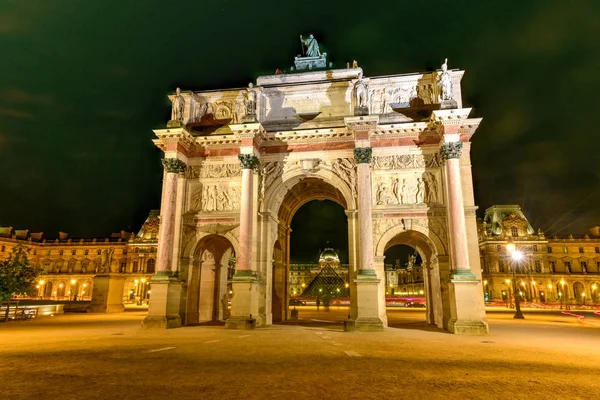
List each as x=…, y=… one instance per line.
x=107, y=294
x=364, y=325
x=163, y=309
x=244, y=303
x=240, y=323
x=367, y=301
x=161, y=322
x=472, y=328
x=467, y=307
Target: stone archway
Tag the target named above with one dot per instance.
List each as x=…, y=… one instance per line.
x=435, y=266
x=299, y=190
x=207, y=292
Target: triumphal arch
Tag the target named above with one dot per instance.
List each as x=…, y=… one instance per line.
x=392, y=150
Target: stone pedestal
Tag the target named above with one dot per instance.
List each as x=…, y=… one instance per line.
x=466, y=314
x=244, y=304
x=359, y=111
x=107, y=294
x=163, y=310
x=367, y=296
x=302, y=63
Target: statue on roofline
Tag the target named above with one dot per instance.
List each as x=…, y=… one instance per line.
x=312, y=46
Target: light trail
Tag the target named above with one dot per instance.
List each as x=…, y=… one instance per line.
x=581, y=318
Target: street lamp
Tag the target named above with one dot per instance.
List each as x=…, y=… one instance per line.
x=562, y=284
x=516, y=256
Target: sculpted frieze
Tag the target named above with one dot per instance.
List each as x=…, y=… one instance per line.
x=214, y=171
x=406, y=161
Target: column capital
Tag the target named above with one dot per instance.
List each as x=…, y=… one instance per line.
x=363, y=155
x=451, y=150
x=248, y=161
x=174, y=165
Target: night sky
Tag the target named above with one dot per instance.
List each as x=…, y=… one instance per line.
x=84, y=82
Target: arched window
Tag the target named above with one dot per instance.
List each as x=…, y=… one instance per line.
x=514, y=231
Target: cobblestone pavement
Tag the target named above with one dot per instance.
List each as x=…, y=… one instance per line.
x=108, y=357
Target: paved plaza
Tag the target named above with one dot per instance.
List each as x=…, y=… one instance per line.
x=97, y=356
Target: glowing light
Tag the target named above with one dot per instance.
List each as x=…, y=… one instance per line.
x=37, y=286
x=594, y=287
x=73, y=281
x=507, y=281
x=60, y=285
x=143, y=280
x=533, y=283
x=522, y=283
x=149, y=291
x=510, y=246
x=582, y=294
x=85, y=284
x=420, y=292
x=516, y=255
x=549, y=286
x=562, y=282
x=42, y=282
x=346, y=285
x=136, y=281
x=485, y=282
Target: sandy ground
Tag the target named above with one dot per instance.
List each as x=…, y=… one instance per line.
x=547, y=356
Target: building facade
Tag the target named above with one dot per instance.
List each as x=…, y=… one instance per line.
x=392, y=150
x=67, y=266
x=557, y=270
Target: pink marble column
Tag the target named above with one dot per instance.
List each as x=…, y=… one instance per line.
x=173, y=167
x=363, y=156
x=244, y=258
x=451, y=153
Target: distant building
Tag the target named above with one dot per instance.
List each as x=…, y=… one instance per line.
x=552, y=270
x=405, y=280
x=302, y=275
x=67, y=266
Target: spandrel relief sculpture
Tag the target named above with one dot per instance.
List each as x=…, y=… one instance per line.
x=406, y=189
x=215, y=197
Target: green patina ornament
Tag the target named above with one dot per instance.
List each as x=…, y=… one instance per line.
x=174, y=165
x=451, y=150
x=248, y=161
x=363, y=155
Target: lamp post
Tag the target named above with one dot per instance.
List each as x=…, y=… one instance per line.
x=562, y=284
x=516, y=256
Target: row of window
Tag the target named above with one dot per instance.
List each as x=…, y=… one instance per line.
x=551, y=264
x=564, y=249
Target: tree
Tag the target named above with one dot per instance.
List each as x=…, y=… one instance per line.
x=16, y=273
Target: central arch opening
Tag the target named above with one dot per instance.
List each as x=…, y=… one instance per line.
x=312, y=262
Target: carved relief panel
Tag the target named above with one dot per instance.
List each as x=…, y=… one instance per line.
x=217, y=187
x=407, y=179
